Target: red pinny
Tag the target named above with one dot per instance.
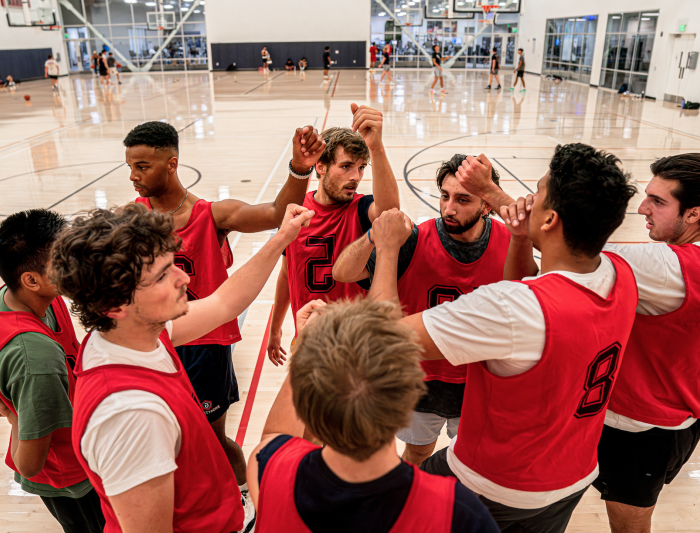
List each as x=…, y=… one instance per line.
x=62, y=468
x=205, y=261
x=277, y=510
x=435, y=277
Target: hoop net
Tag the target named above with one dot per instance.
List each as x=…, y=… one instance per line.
x=489, y=13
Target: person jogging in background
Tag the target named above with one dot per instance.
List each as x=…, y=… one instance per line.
x=112, y=65
x=51, y=71
x=437, y=68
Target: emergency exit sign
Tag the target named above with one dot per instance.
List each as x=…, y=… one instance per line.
x=681, y=27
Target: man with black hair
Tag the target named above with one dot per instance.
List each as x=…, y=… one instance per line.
x=493, y=70
x=326, y=62
x=37, y=352
x=51, y=71
x=152, y=153
x=519, y=71
x=542, y=352
x=651, y=427
x=442, y=259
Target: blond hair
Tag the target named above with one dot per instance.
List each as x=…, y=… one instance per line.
x=356, y=376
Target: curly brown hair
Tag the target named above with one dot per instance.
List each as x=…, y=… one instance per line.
x=97, y=262
x=353, y=144
x=356, y=376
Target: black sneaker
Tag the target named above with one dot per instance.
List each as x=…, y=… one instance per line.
x=498, y=88
x=487, y=87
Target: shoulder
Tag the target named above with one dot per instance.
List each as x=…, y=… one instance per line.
x=34, y=353
x=470, y=515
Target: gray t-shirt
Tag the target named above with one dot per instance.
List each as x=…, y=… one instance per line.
x=521, y=62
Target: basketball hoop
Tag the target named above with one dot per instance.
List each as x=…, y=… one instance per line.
x=161, y=28
x=50, y=28
x=489, y=14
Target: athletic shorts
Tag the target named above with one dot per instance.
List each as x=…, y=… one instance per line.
x=634, y=467
x=425, y=428
x=373, y=59
x=520, y=74
x=437, y=72
x=210, y=369
x=386, y=67
x=550, y=519
x=495, y=72
x=113, y=70
x=53, y=77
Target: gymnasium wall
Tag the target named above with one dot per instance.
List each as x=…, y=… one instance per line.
x=239, y=29
x=14, y=44
x=672, y=14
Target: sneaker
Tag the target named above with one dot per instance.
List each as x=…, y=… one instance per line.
x=498, y=88
x=443, y=91
x=523, y=90
x=432, y=92
x=487, y=87
x=120, y=83
x=511, y=88
x=249, y=509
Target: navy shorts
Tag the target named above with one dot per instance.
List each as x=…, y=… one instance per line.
x=210, y=369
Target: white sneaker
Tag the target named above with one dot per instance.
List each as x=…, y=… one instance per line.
x=249, y=510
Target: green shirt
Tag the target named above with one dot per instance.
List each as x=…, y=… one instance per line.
x=33, y=376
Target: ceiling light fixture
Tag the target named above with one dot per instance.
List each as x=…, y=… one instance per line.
x=167, y=7
x=650, y=14
x=382, y=14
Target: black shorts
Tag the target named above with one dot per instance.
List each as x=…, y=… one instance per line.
x=550, y=519
x=210, y=369
x=443, y=399
x=53, y=77
x=634, y=467
x=520, y=74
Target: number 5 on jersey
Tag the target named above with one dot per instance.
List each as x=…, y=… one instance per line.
x=319, y=270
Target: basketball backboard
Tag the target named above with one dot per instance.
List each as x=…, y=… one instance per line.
x=410, y=15
x=159, y=20
x=474, y=6
x=36, y=13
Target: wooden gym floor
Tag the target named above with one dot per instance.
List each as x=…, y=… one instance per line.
x=63, y=151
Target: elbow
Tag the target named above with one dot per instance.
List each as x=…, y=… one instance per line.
x=29, y=469
x=338, y=274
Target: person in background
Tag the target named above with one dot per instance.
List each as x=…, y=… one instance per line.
x=104, y=69
x=289, y=65
x=373, y=56
x=495, y=63
x=437, y=68
x=95, y=61
x=265, y=59
x=112, y=65
x=386, y=63
x=51, y=71
x=326, y=62
x=302, y=64
x=519, y=71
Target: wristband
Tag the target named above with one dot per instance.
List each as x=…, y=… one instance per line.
x=299, y=176
x=370, y=238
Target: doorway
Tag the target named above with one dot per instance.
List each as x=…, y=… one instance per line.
x=677, y=82
x=78, y=49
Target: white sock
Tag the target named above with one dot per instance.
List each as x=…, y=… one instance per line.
x=243, y=487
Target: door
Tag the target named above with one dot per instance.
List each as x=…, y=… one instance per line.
x=498, y=43
x=78, y=49
x=510, y=51
x=676, y=81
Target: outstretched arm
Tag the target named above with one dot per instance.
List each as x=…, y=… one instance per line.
x=351, y=264
x=235, y=215
x=369, y=123
x=275, y=352
x=244, y=285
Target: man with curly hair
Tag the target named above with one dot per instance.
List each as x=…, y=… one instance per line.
x=442, y=259
x=139, y=429
x=152, y=153
x=37, y=351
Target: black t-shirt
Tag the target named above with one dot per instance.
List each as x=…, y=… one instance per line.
x=494, y=57
x=326, y=59
x=437, y=57
x=110, y=62
x=327, y=504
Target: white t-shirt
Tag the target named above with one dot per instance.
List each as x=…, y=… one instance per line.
x=503, y=324
x=52, y=67
x=132, y=436
x=661, y=290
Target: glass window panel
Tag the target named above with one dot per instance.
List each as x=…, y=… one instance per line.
x=549, y=46
x=614, y=22
x=642, y=55
x=559, y=25
x=592, y=24
x=120, y=11
x=577, y=49
x=588, y=47
x=199, y=28
x=556, y=48
x=621, y=78
x=121, y=30
x=141, y=12
x=630, y=23
x=197, y=15
x=573, y=72
x=551, y=27
x=104, y=30
x=580, y=25
x=96, y=11
x=638, y=83
x=624, y=59
x=606, y=78
x=566, y=48
x=610, y=51
x=563, y=68
x=648, y=23
x=569, y=25
x=69, y=19
x=585, y=75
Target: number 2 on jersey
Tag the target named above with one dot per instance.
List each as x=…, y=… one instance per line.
x=326, y=282
x=599, y=382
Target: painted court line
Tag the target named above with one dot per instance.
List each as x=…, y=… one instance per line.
x=250, y=399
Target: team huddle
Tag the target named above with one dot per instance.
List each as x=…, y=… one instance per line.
x=550, y=377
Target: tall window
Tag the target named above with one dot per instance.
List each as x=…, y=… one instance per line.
x=569, y=45
x=125, y=24
x=629, y=39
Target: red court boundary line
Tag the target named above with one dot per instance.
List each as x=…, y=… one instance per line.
x=250, y=400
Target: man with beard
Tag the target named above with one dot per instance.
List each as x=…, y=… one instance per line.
x=152, y=153
x=442, y=259
x=342, y=215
